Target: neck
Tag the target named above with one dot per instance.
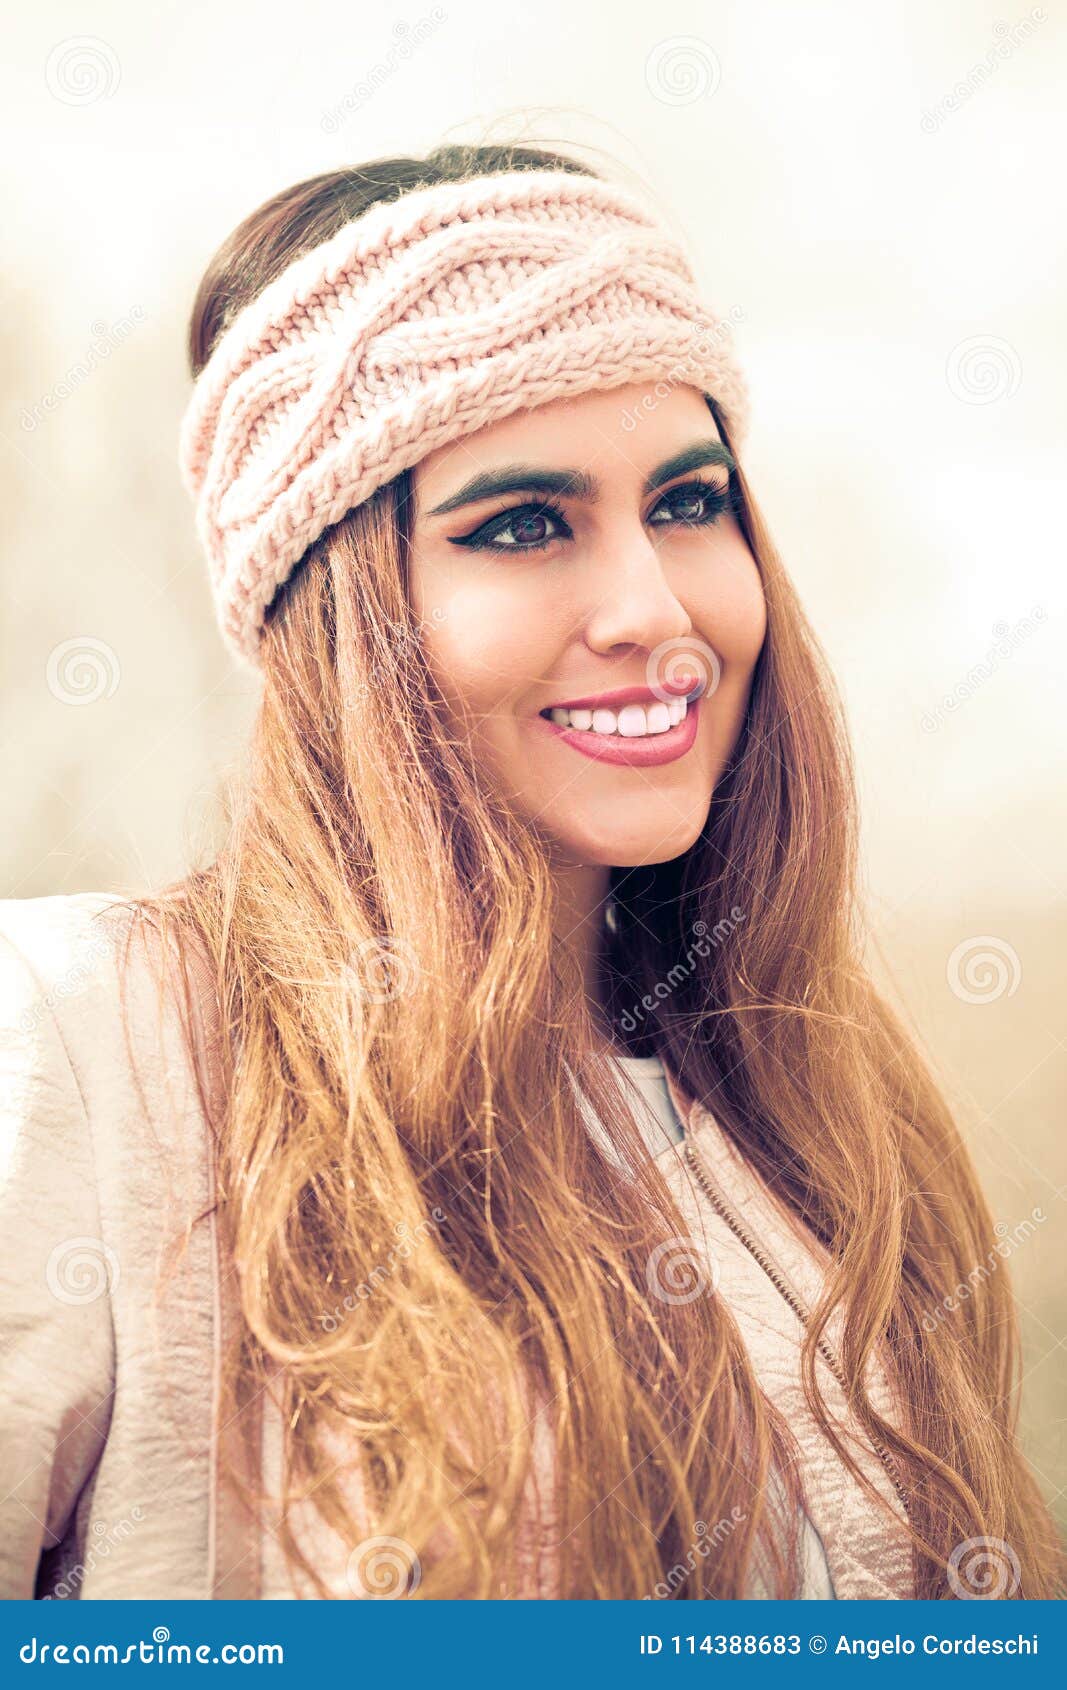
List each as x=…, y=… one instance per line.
x=582, y=898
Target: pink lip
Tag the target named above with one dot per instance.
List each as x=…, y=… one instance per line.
x=644, y=752
x=626, y=695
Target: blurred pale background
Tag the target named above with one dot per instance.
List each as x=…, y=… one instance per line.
x=871, y=190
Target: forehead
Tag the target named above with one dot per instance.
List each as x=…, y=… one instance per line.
x=619, y=433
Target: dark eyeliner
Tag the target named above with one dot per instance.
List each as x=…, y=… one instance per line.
x=482, y=538
x=719, y=499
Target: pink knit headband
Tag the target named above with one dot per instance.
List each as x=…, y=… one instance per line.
x=422, y=321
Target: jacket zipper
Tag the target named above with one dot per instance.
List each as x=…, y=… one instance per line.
x=782, y=1285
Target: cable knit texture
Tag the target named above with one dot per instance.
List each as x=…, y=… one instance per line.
x=113, y=1429
x=420, y=322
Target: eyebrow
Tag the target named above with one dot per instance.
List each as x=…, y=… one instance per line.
x=577, y=483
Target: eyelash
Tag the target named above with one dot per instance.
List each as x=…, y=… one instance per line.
x=718, y=500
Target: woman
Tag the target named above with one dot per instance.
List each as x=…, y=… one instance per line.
x=579, y=1217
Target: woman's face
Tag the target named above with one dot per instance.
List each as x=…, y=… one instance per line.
x=591, y=614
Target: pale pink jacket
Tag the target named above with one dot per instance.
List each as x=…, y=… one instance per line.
x=110, y=1424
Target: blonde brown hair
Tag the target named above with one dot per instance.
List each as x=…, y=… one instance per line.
x=398, y=1035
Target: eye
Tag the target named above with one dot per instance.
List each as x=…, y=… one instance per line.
x=533, y=526
x=695, y=503
x=521, y=529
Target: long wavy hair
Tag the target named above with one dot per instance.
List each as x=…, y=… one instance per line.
x=427, y=1237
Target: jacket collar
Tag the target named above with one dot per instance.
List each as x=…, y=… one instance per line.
x=688, y=1108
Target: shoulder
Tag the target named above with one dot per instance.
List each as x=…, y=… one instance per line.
x=96, y=1009
x=51, y=947
x=60, y=980
x=53, y=950
x=72, y=956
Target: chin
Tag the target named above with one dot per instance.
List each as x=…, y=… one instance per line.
x=636, y=847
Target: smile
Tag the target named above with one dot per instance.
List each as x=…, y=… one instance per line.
x=639, y=735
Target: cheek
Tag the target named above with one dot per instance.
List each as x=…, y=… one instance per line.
x=733, y=612
x=484, y=641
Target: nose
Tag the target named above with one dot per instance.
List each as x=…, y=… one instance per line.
x=633, y=601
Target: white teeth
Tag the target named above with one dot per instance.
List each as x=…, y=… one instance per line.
x=633, y=721
x=637, y=720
